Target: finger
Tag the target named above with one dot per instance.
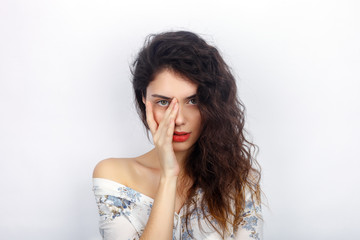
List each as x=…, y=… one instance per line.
x=171, y=107
x=167, y=113
x=168, y=125
x=150, y=117
x=172, y=114
x=174, y=111
x=171, y=126
x=168, y=121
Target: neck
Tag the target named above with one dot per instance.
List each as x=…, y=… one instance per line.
x=184, y=182
x=180, y=157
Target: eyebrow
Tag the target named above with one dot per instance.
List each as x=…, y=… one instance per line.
x=169, y=98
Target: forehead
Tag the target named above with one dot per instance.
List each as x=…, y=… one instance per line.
x=171, y=84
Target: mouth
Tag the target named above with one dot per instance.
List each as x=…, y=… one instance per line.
x=181, y=136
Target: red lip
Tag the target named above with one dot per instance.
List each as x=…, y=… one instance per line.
x=180, y=136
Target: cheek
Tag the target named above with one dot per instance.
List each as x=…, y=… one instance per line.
x=196, y=119
x=199, y=124
x=158, y=116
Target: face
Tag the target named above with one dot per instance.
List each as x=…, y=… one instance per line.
x=165, y=86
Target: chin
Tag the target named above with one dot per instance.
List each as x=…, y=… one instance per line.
x=180, y=147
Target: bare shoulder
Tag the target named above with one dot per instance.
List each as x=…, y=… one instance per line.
x=141, y=173
x=115, y=169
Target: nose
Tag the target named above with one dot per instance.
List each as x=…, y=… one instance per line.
x=180, y=119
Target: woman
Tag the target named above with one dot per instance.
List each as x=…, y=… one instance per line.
x=199, y=181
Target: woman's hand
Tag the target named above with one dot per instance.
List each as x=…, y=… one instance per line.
x=161, y=219
x=163, y=137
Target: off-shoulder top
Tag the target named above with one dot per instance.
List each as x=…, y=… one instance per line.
x=124, y=213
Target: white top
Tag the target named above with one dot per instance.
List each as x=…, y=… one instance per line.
x=124, y=213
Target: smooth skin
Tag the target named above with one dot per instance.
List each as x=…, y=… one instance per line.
x=156, y=173
x=161, y=220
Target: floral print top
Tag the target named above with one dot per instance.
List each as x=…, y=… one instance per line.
x=124, y=213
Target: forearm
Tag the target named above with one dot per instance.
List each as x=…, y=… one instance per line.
x=161, y=219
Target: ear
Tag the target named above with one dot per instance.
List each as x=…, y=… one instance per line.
x=143, y=100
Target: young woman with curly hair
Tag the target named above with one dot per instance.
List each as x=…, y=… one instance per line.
x=200, y=180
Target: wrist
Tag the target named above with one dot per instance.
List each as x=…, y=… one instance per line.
x=167, y=185
x=167, y=180
x=164, y=178
x=169, y=174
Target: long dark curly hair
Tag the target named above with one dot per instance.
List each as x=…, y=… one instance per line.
x=222, y=162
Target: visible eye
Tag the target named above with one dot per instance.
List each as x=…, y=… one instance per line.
x=192, y=101
x=163, y=103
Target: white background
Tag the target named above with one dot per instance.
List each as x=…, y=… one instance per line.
x=66, y=103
